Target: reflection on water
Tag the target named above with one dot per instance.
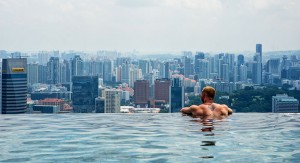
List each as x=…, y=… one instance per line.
x=149, y=138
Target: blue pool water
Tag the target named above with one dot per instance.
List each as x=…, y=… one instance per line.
x=250, y=137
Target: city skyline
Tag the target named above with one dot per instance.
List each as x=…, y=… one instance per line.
x=149, y=26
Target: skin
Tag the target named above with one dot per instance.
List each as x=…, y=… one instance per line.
x=204, y=112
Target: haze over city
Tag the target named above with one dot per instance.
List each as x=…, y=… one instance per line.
x=149, y=25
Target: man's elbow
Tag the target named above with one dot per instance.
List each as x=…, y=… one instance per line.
x=185, y=110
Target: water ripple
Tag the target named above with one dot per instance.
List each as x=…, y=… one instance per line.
x=133, y=138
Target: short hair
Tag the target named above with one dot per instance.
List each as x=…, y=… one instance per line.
x=209, y=91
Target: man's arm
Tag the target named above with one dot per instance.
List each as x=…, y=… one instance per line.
x=192, y=110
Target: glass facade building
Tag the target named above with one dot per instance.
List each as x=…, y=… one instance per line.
x=14, y=85
x=85, y=91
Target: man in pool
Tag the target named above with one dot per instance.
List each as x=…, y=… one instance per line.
x=209, y=109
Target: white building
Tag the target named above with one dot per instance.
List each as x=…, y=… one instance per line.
x=112, y=101
x=282, y=103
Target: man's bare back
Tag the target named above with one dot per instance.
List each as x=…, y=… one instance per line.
x=208, y=111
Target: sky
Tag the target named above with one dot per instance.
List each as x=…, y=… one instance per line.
x=149, y=25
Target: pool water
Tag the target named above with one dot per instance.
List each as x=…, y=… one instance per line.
x=244, y=137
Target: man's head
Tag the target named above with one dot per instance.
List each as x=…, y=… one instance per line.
x=208, y=93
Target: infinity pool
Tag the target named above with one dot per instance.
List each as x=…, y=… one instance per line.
x=158, y=138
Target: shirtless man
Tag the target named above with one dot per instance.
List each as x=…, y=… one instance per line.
x=209, y=109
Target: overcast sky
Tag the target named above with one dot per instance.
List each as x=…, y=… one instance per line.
x=150, y=25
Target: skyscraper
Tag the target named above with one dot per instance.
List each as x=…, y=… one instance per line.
x=141, y=92
x=112, y=101
x=77, y=66
x=14, y=85
x=257, y=65
x=188, y=67
x=177, y=95
x=33, y=73
x=85, y=91
x=53, y=71
x=163, y=90
x=107, y=70
x=259, y=51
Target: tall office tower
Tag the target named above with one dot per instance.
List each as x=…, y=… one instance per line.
x=84, y=92
x=177, y=95
x=145, y=66
x=118, y=73
x=43, y=58
x=240, y=60
x=243, y=73
x=99, y=69
x=285, y=64
x=141, y=93
x=235, y=74
x=259, y=51
x=199, y=55
x=14, y=85
x=161, y=70
x=134, y=75
x=112, y=101
x=53, y=71
x=167, y=70
x=257, y=73
x=163, y=90
x=42, y=74
x=67, y=72
x=203, y=69
x=100, y=104
x=87, y=68
x=225, y=73
x=188, y=67
x=64, y=75
x=273, y=66
x=257, y=65
x=33, y=73
x=212, y=69
x=126, y=67
x=154, y=64
x=107, y=70
x=120, y=61
x=77, y=66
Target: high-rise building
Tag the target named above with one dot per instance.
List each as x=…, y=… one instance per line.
x=42, y=74
x=259, y=51
x=167, y=70
x=77, y=66
x=273, y=66
x=14, y=85
x=225, y=73
x=243, y=73
x=240, y=60
x=203, y=69
x=177, y=95
x=198, y=57
x=163, y=90
x=107, y=70
x=112, y=101
x=53, y=71
x=188, y=67
x=257, y=65
x=33, y=73
x=125, y=72
x=141, y=92
x=85, y=91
